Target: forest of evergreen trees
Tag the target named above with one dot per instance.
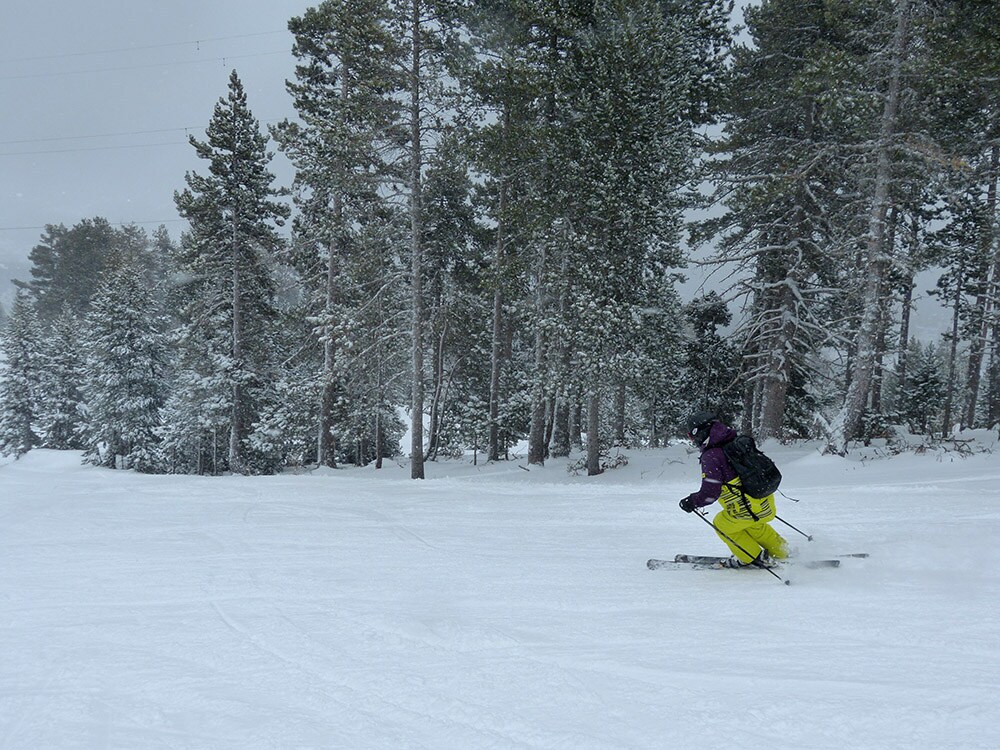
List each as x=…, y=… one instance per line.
x=484, y=240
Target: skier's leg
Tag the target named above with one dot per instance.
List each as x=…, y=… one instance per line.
x=769, y=539
x=736, y=531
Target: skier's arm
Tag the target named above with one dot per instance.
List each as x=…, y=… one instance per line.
x=711, y=480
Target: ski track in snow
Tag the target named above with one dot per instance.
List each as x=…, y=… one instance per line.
x=489, y=607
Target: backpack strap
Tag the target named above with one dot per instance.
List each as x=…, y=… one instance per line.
x=743, y=499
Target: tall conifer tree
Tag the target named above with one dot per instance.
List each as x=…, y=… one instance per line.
x=61, y=404
x=125, y=372
x=229, y=255
x=20, y=375
x=345, y=79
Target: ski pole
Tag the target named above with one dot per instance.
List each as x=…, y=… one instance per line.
x=725, y=536
x=807, y=536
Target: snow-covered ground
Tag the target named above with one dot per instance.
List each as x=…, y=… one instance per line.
x=493, y=607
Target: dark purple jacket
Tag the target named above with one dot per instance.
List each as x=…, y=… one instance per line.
x=715, y=469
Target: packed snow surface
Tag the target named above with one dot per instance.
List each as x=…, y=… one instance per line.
x=494, y=607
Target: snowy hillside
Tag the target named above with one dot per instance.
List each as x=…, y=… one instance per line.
x=493, y=607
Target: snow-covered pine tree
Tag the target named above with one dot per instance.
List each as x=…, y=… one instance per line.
x=60, y=401
x=551, y=40
x=374, y=338
x=457, y=311
x=67, y=264
x=959, y=249
x=284, y=431
x=920, y=401
x=779, y=170
x=663, y=395
x=502, y=88
x=964, y=52
x=125, y=372
x=711, y=375
x=878, y=176
x=622, y=165
x=576, y=161
x=20, y=376
x=343, y=93
x=227, y=257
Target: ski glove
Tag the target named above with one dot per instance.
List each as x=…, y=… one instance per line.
x=687, y=504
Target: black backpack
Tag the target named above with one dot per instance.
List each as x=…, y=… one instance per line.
x=759, y=477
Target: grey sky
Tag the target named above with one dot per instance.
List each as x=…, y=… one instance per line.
x=121, y=70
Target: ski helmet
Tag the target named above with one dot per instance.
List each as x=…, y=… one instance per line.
x=699, y=425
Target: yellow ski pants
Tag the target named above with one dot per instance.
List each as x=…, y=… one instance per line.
x=749, y=534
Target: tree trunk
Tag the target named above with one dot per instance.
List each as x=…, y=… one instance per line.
x=380, y=389
x=593, y=433
x=847, y=425
x=560, y=428
x=986, y=301
x=437, y=394
x=576, y=423
x=326, y=448
x=416, y=249
x=621, y=393
x=880, y=343
x=774, y=385
x=550, y=422
x=904, y=323
x=993, y=394
x=496, y=355
x=379, y=439
x=949, y=396
x=236, y=427
x=536, y=435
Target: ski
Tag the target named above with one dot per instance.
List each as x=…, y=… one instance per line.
x=710, y=562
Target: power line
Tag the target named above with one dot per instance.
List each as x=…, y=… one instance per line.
x=100, y=135
x=92, y=148
x=112, y=223
x=198, y=128
x=139, y=67
x=196, y=42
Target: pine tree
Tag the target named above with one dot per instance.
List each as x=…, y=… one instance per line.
x=661, y=348
x=958, y=248
x=921, y=399
x=780, y=171
x=229, y=254
x=374, y=339
x=67, y=265
x=881, y=177
x=343, y=93
x=61, y=407
x=964, y=79
x=20, y=374
x=711, y=377
x=622, y=165
x=502, y=89
x=456, y=310
x=125, y=373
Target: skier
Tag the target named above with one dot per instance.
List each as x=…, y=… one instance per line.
x=743, y=521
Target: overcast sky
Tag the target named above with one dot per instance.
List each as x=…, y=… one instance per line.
x=97, y=96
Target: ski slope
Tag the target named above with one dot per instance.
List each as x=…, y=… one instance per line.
x=494, y=607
